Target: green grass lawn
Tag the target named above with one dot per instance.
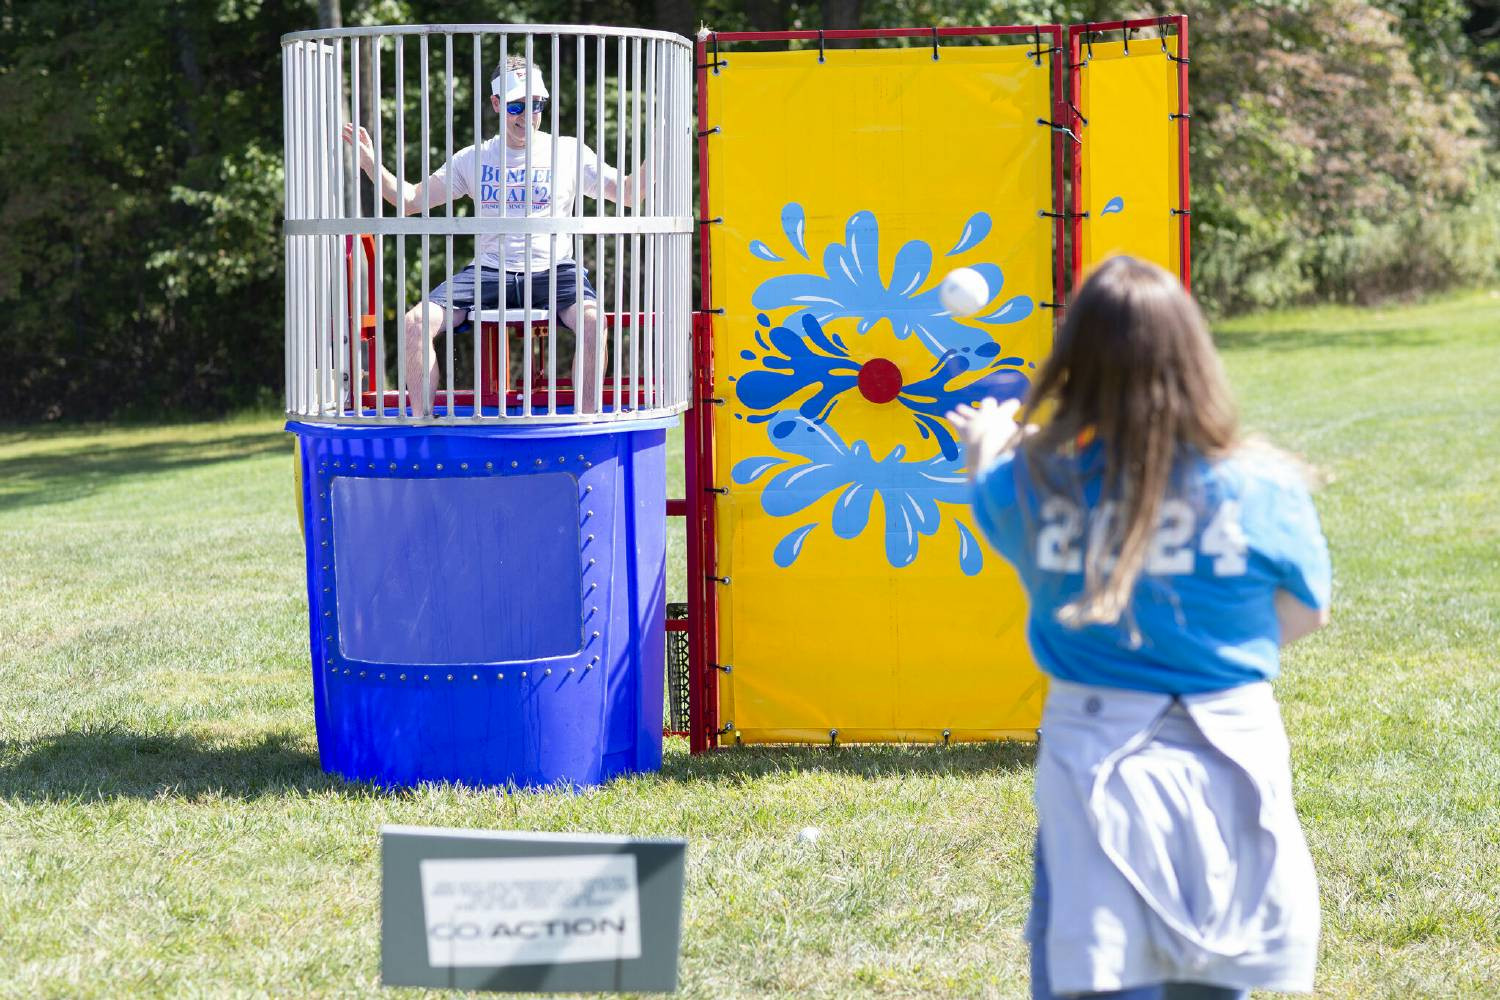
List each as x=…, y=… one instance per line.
x=165, y=829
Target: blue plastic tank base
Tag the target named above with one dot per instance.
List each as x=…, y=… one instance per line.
x=487, y=605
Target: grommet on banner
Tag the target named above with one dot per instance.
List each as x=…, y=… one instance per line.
x=710, y=131
x=728, y=727
x=720, y=579
x=833, y=737
x=947, y=735
x=728, y=668
x=717, y=220
x=1128, y=32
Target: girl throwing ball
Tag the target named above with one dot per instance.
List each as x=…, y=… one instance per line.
x=1167, y=562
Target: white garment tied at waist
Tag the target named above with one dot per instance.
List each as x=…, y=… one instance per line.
x=1171, y=824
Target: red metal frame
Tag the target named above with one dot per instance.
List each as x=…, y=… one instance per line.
x=702, y=549
x=1076, y=32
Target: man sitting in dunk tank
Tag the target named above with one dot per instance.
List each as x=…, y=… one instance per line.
x=511, y=260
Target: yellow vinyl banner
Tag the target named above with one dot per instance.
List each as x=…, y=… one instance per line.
x=857, y=601
x=1128, y=156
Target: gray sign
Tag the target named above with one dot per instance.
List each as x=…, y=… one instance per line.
x=529, y=912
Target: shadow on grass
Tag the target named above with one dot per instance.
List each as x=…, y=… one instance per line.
x=116, y=763
x=71, y=474
x=1306, y=338
x=875, y=761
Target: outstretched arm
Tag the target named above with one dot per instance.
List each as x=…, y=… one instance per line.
x=410, y=198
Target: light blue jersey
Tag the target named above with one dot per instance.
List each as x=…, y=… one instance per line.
x=1231, y=533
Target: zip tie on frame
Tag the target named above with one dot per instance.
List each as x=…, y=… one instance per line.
x=1061, y=215
x=1088, y=39
x=1128, y=32
x=717, y=61
x=710, y=131
x=718, y=579
x=820, y=45
x=727, y=728
x=728, y=668
x=1054, y=126
x=1175, y=117
x=1037, y=51
x=934, y=43
x=1078, y=113
x=722, y=491
x=1168, y=52
x=1180, y=211
x=717, y=401
x=1052, y=305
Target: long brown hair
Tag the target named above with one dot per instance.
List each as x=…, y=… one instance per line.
x=1134, y=368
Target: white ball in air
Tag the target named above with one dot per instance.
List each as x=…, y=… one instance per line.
x=964, y=292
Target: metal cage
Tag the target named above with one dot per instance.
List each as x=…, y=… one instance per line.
x=366, y=252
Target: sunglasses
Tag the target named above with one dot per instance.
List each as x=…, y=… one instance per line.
x=519, y=107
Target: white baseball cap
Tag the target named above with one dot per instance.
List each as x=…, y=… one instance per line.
x=515, y=85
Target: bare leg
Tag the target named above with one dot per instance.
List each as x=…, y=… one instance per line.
x=423, y=323
x=589, y=354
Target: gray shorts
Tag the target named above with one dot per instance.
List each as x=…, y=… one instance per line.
x=461, y=289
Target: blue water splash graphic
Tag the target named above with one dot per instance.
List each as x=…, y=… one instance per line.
x=909, y=491
x=1113, y=206
x=852, y=287
x=794, y=224
x=794, y=364
x=789, y=548
x=975, y=230
x=759, y=249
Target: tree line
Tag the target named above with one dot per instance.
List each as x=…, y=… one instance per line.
x=1343, y=150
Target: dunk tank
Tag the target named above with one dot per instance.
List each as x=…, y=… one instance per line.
x=486, y=567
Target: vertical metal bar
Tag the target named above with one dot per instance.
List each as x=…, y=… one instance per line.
x=474, y=324
x=599, y=150
x=620, y=135
x=448, y=83
x=582, y=335
x=379, y=204
x=702, y=557
x=635, y=238
x=320, y=154
x=429, y=387
x=1059, y=113
x=552, y=249
x=1184, y=173
x=1075, y=197
x=403, y=390
x=286, y=241
x=647, y=201
x=503, y=241
x=356, y=256
x=527, y=237
x=339, y=244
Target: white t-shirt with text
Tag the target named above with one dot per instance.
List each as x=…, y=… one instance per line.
x=491, y=182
